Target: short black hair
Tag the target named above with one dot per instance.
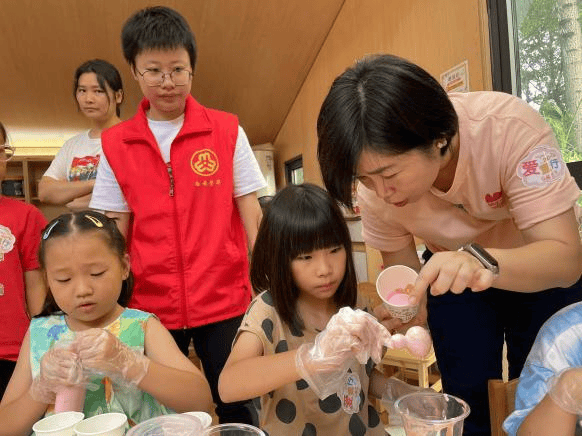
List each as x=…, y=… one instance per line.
x=84, y=222
x=3, y=133
x=385, y=104
x=107, y=77
x=157, y=28
x=298, y=220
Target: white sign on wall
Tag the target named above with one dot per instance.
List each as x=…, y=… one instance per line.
x=456, y=79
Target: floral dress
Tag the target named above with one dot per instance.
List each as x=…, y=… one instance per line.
x=103, y=395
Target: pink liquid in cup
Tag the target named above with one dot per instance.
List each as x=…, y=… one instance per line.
x=70, y=399
x=392, y=285
x=399, y=299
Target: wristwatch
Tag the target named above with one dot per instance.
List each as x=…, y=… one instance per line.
x=482, y=256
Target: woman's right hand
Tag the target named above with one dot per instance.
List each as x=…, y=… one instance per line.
x=452, y=271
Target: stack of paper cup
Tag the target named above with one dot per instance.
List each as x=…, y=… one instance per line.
x=389, y=286
x=59, y=424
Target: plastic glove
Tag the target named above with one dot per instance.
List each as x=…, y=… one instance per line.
x=349, y=334
x=59, y=367
x=395, y=388
x=417, y=340
x=101, y=352
x=565, y=390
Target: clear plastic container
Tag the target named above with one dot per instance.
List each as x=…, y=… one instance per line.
x=233, y=430
x=168, y=425
x=427, y=413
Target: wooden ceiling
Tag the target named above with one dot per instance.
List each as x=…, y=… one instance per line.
x=253, y=56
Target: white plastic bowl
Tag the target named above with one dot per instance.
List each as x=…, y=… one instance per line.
x=182, y=424
x=59, y=424
x=205, y=418
x=107, y=424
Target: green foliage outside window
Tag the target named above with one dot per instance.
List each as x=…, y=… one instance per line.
x=543, y=70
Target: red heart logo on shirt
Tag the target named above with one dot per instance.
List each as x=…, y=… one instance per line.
x=494, y=200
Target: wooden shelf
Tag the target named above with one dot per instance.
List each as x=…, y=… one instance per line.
x=30, y=169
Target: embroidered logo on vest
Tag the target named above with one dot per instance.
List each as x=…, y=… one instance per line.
x=204, y=162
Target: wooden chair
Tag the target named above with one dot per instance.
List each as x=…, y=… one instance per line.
x=501, y=403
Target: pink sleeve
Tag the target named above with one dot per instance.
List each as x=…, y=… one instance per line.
x=536, y=180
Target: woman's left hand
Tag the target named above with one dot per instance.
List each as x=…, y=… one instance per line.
x=452, y=271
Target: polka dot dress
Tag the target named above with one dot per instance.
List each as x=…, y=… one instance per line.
x=294, y=409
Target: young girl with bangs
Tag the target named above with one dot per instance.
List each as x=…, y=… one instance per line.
x=303, y=268
x=85, y=336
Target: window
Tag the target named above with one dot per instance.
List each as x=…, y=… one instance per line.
x=536, y=52
x=294, y=171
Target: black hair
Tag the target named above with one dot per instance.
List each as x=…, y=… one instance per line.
x=157, y=27
x=3, y=133
x=385, y=104
x=107, y=77
x=298, y=220
x=84, y=222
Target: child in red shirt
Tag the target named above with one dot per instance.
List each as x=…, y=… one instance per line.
x=22, y=289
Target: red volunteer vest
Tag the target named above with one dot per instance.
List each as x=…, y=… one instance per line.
x=188, y=245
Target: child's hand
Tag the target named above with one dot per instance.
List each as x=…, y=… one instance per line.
x=359, y=331
x=58, y=367
x=565, y=390
x=349, y=334
x=101, y=352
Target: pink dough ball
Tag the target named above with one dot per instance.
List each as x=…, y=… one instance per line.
x=418, y=341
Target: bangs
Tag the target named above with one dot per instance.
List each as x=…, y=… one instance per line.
x=310, y=230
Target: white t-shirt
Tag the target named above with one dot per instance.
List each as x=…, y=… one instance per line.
x=77, y=159
x=510, y=176
x=247, y=176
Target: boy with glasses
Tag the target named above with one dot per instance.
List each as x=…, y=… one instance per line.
x=187, y=178
x=22, y=289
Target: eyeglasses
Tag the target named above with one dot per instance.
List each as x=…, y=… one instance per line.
x=179, y=76
x=6, y=152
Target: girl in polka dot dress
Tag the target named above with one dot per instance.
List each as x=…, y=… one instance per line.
x=302, y=265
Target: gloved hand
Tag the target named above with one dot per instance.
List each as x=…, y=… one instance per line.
x=396, y=388
x=349, y=334
x=565, y=390
x=59, y=367
x=100, y=352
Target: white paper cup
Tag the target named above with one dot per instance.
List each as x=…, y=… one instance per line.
x=59, y=424
x=389, y=280
x=107, y=424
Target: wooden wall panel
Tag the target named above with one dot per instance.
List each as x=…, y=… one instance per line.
x=253, y=58
x=436, y=34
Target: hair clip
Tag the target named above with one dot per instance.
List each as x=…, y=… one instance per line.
x=48, y=231
x=94, y=221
